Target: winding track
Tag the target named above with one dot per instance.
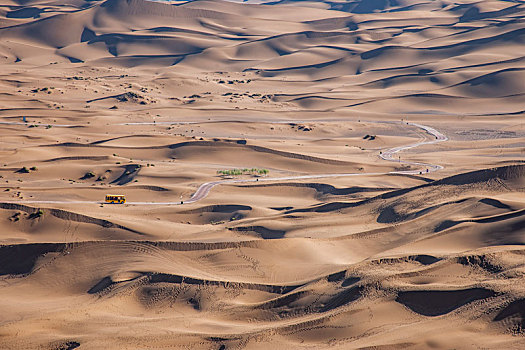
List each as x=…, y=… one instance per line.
x=206, y=187
x=439, y=137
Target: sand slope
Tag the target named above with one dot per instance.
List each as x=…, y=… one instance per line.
x=323, y=229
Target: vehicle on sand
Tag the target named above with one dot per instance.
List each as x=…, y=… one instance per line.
x=115, y=199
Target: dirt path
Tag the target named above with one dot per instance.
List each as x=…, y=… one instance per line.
x=388, y=155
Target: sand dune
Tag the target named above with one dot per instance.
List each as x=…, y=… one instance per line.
x=298, y=174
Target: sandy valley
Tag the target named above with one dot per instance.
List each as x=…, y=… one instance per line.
x=297, y=174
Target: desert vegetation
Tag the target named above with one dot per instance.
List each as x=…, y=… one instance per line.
x=244, y=171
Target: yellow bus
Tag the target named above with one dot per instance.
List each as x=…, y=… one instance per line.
x=115, y=198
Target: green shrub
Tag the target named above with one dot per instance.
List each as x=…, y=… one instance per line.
x=37, y=214
x=244, y=171
x=88, y=175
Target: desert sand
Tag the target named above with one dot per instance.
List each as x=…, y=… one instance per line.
x=298, y=174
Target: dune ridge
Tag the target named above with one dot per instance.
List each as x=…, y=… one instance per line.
x=370, y=157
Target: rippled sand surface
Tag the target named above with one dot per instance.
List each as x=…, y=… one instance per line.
x=298, y=175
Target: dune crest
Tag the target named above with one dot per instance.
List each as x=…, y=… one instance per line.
x=296, y=174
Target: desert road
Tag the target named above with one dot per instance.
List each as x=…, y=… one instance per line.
x=206, y=187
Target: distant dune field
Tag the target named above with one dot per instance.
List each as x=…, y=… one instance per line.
x=297, y=174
